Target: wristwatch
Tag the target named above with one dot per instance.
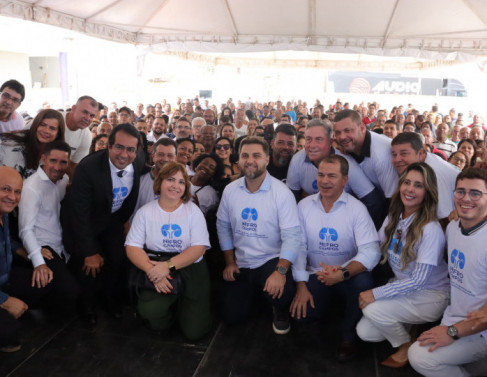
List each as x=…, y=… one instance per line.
x=345, y=274
x=453, y=332
x=282, y=270
x=172, y=267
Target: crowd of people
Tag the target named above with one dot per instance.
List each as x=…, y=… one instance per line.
x=377, y=214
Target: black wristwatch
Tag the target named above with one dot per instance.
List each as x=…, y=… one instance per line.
x=453, y=332
x=345, y=274
x=282, y=270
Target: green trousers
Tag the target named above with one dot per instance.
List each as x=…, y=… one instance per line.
x=190, y=308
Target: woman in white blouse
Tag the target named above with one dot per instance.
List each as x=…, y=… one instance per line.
x=412, y=242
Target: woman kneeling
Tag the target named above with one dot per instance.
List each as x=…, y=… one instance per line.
x=172, y=224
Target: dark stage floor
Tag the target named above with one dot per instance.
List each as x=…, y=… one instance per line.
x=125, y=348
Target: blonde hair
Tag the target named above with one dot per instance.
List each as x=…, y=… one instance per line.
x=424, y=215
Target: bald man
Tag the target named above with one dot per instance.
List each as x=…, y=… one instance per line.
x=11, y=308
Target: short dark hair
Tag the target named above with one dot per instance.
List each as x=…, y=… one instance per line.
x=182, y=140
x=409, y=138
x=128, y=129
x=334, y=158
x=390, y=121
x=57, y=145
x=165, y=141
x=255, y=140
x=472, y=173
x=183, y=119
x=126, y=109
x=409, y=123
x=14, y=85
x=222, y=138
x=285, y=129
x=347, y=113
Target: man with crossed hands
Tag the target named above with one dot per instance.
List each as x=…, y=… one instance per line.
x=341, y=247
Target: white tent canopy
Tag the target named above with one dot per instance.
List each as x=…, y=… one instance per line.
x=431, y=29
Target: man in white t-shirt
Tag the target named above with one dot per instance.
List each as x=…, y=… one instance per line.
x=260, y=236
x=12, y=93
x=158, y=127
x=460, y=339
x=408, y=148
x=341, y=247
x=76, y=132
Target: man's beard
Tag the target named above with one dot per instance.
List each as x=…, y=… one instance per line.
x=255, y=174
x=282, y=160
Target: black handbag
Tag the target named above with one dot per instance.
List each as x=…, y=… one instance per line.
x=138, y=279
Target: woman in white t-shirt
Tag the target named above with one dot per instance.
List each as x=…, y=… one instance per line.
x=413, y=242
x=172, y=224
x=208, y=169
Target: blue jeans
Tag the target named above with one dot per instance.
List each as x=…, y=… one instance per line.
x=325, y=297
x=238, y=295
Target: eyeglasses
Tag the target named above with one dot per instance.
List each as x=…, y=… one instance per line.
x=398, y=239
x=222, y=146
x=474, y=195
x=458, y=159
x=121, y=148
x=6, y=96
x=183, y=127
x=102, y=143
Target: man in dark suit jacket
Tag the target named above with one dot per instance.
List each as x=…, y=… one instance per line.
x=101, y=199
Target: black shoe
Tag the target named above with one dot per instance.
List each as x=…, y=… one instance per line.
x=281, y=323
x=89, y=315
x=11, y=347
x=346, y=351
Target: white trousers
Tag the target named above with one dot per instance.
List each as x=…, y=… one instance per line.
x=389, y=318
x=447, y=361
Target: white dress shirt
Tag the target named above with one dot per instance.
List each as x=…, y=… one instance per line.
x=39, y=215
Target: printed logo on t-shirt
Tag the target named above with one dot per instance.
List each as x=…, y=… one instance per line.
x=249, y=223
x=250, y=214
x=394, y=257
x=315, y=185
x=119, y=195
x=171, y=233
x=328, y=237
x=328, y=234
x=171, y=230
x=457, y=263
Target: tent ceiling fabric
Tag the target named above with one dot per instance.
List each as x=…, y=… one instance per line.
x=431, y=29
